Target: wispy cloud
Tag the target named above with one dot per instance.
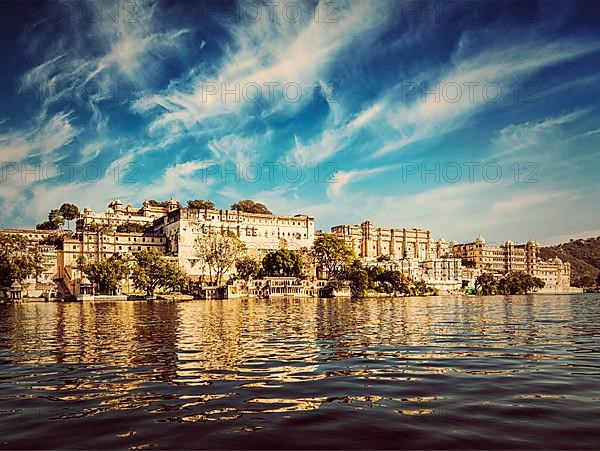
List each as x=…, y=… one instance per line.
x=461, y=90
x=41, y=140
x=267, y=53
x=332, y=140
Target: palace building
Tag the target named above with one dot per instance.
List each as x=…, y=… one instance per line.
x=259, y=232
x=509, y=256
x=117, y=214
x=122, y=231
x=369, y=242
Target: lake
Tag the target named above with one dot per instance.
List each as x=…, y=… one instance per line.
x=440, y=372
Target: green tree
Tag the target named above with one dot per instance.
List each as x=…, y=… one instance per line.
x=332, y=254
x=391, y=281
x=19, y=259
x=249, y=206
x=538, y=283
x=55, y=239
x=55, y=221
x=47, y=225
x=105, y=274
x=422, y=289
x=219, y=252
x=247, y=268
x=175, y=278
x=201, y=204
x=156, y=203
x=486, y=284
x=153, y=271
x=55, y=216
x=583, y=281
x=69, y=212
x=519, y=282
x=358, y=278
x=282, y=262
x=130, y=227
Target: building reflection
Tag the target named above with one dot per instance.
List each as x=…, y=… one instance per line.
x=274, y=341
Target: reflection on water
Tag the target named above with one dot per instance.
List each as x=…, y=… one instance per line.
x=443, y=372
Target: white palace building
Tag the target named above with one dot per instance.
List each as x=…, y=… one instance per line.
x=173, y=230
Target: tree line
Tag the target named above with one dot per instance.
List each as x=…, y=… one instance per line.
x=19, y=260
x=247, y=206
x=149, y=272
x=220, y=252
x=57, y=217
x=515, y=282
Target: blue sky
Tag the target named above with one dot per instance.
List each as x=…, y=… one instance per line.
x=462, y=118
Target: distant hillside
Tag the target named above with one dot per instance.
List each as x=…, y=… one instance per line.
x=584, y=256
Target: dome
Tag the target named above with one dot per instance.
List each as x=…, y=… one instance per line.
x=509, y=243
x=85, y=281
x=16, y=285
x=480, y=240
x=532, y=243
x=172, y=201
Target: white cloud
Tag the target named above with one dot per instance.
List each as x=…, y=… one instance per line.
x=450, y=107
x=180, y=180
x=525, y=201
x=336, y=189
x=278, y=52
x=43, y=140
x=71, y=72
x=234, y=148
x=333, y=140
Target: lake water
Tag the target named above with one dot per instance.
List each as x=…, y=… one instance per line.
x=442, y=372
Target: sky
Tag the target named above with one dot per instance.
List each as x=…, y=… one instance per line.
x=463, y=118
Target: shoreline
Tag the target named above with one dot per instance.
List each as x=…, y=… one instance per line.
x=368, y=297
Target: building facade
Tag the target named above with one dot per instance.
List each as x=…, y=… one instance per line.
x=118, y=214
x=503, y=258
x=173, y=231
x=369, y=242
x=260, y=233
x=509, y=256
x=555, y=273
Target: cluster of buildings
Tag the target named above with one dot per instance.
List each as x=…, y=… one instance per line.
x=450, y=266
x=172, y=230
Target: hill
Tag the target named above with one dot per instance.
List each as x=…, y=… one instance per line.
x=584, y=256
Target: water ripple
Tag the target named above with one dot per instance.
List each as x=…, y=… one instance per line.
x=445, y=372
